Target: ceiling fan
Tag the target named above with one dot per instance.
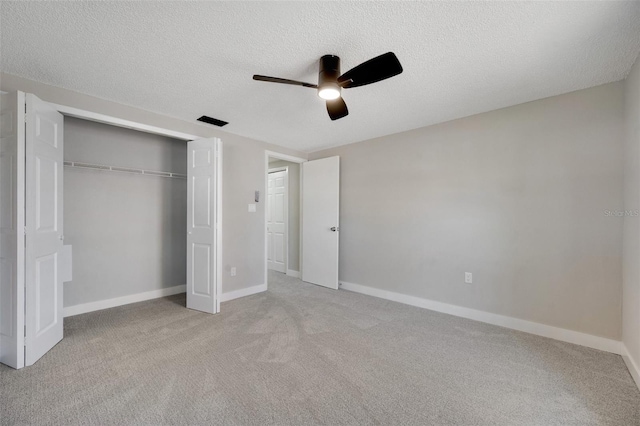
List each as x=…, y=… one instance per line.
x=330, y=82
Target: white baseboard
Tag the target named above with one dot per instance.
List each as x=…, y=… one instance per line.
x=570, y=336
x=154, y=294
x=632, y=365
x=83, y=308
x=292, y=273
x=230, y=295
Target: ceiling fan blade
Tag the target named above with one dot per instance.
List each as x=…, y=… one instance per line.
x=284, y=81
x=376, y=69
x=337, y=109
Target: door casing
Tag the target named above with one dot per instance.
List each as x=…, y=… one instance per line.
x=292, y=159
x=12, y=156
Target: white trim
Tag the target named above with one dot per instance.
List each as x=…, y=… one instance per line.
x=20, y=223
x=570, y=336
x=292, y=273
x=119, y=122
x=83, y=308
x=12, y=351
x=284, y=157
x=230, y=295
x=219, y=223
x=631, y=365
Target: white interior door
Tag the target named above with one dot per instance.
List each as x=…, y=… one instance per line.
x=44, y=233
x=321, y=221
x=12, y=229
x=277, y=209
x=203, y=225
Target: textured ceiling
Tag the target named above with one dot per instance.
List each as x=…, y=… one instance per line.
x=186, y=59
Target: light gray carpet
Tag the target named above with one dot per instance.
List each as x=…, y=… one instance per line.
x=300, y=354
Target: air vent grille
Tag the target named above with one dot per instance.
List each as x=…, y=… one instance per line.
x=214, y=121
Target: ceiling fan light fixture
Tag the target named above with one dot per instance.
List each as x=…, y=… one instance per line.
x=331, y=82
x=328, y=88
x=329, y=91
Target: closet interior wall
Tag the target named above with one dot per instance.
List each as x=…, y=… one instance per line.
x=127, y=229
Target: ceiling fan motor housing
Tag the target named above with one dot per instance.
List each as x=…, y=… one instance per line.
x=328, y=74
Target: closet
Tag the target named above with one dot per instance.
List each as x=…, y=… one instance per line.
x=142, y=213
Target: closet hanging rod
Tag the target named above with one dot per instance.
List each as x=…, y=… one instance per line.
x=130, y=170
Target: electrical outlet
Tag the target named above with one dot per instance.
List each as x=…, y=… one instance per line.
x=233, y=271
x=468, y=277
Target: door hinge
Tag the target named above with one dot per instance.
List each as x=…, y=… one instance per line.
x=25, y=331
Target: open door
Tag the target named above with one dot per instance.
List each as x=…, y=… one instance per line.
x=43, y=227
x=321, y=221
x=12, y=229
x=204, y=172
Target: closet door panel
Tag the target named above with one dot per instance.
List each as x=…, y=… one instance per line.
x=203, y=179
x=44, y=233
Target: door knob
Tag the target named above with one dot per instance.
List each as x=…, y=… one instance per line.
x=334, y=228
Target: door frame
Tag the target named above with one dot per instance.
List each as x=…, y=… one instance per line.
x=120, y=122
x=162, y=131
x=18, y=209
x=286, y=213
x=146, y=128
x=299, y=160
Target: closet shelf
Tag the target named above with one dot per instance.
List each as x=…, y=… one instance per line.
x=104, y=168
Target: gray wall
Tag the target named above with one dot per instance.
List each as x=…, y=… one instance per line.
x=294, y=211
x=516, y=196
x=631, y=282
x=128, y=232
x=243, y=173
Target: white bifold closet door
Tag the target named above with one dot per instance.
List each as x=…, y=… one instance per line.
x=31, y=225
x=44, y=233
x=204, y=172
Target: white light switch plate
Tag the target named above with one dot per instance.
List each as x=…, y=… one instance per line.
x=252, y=208
x=468, y=277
